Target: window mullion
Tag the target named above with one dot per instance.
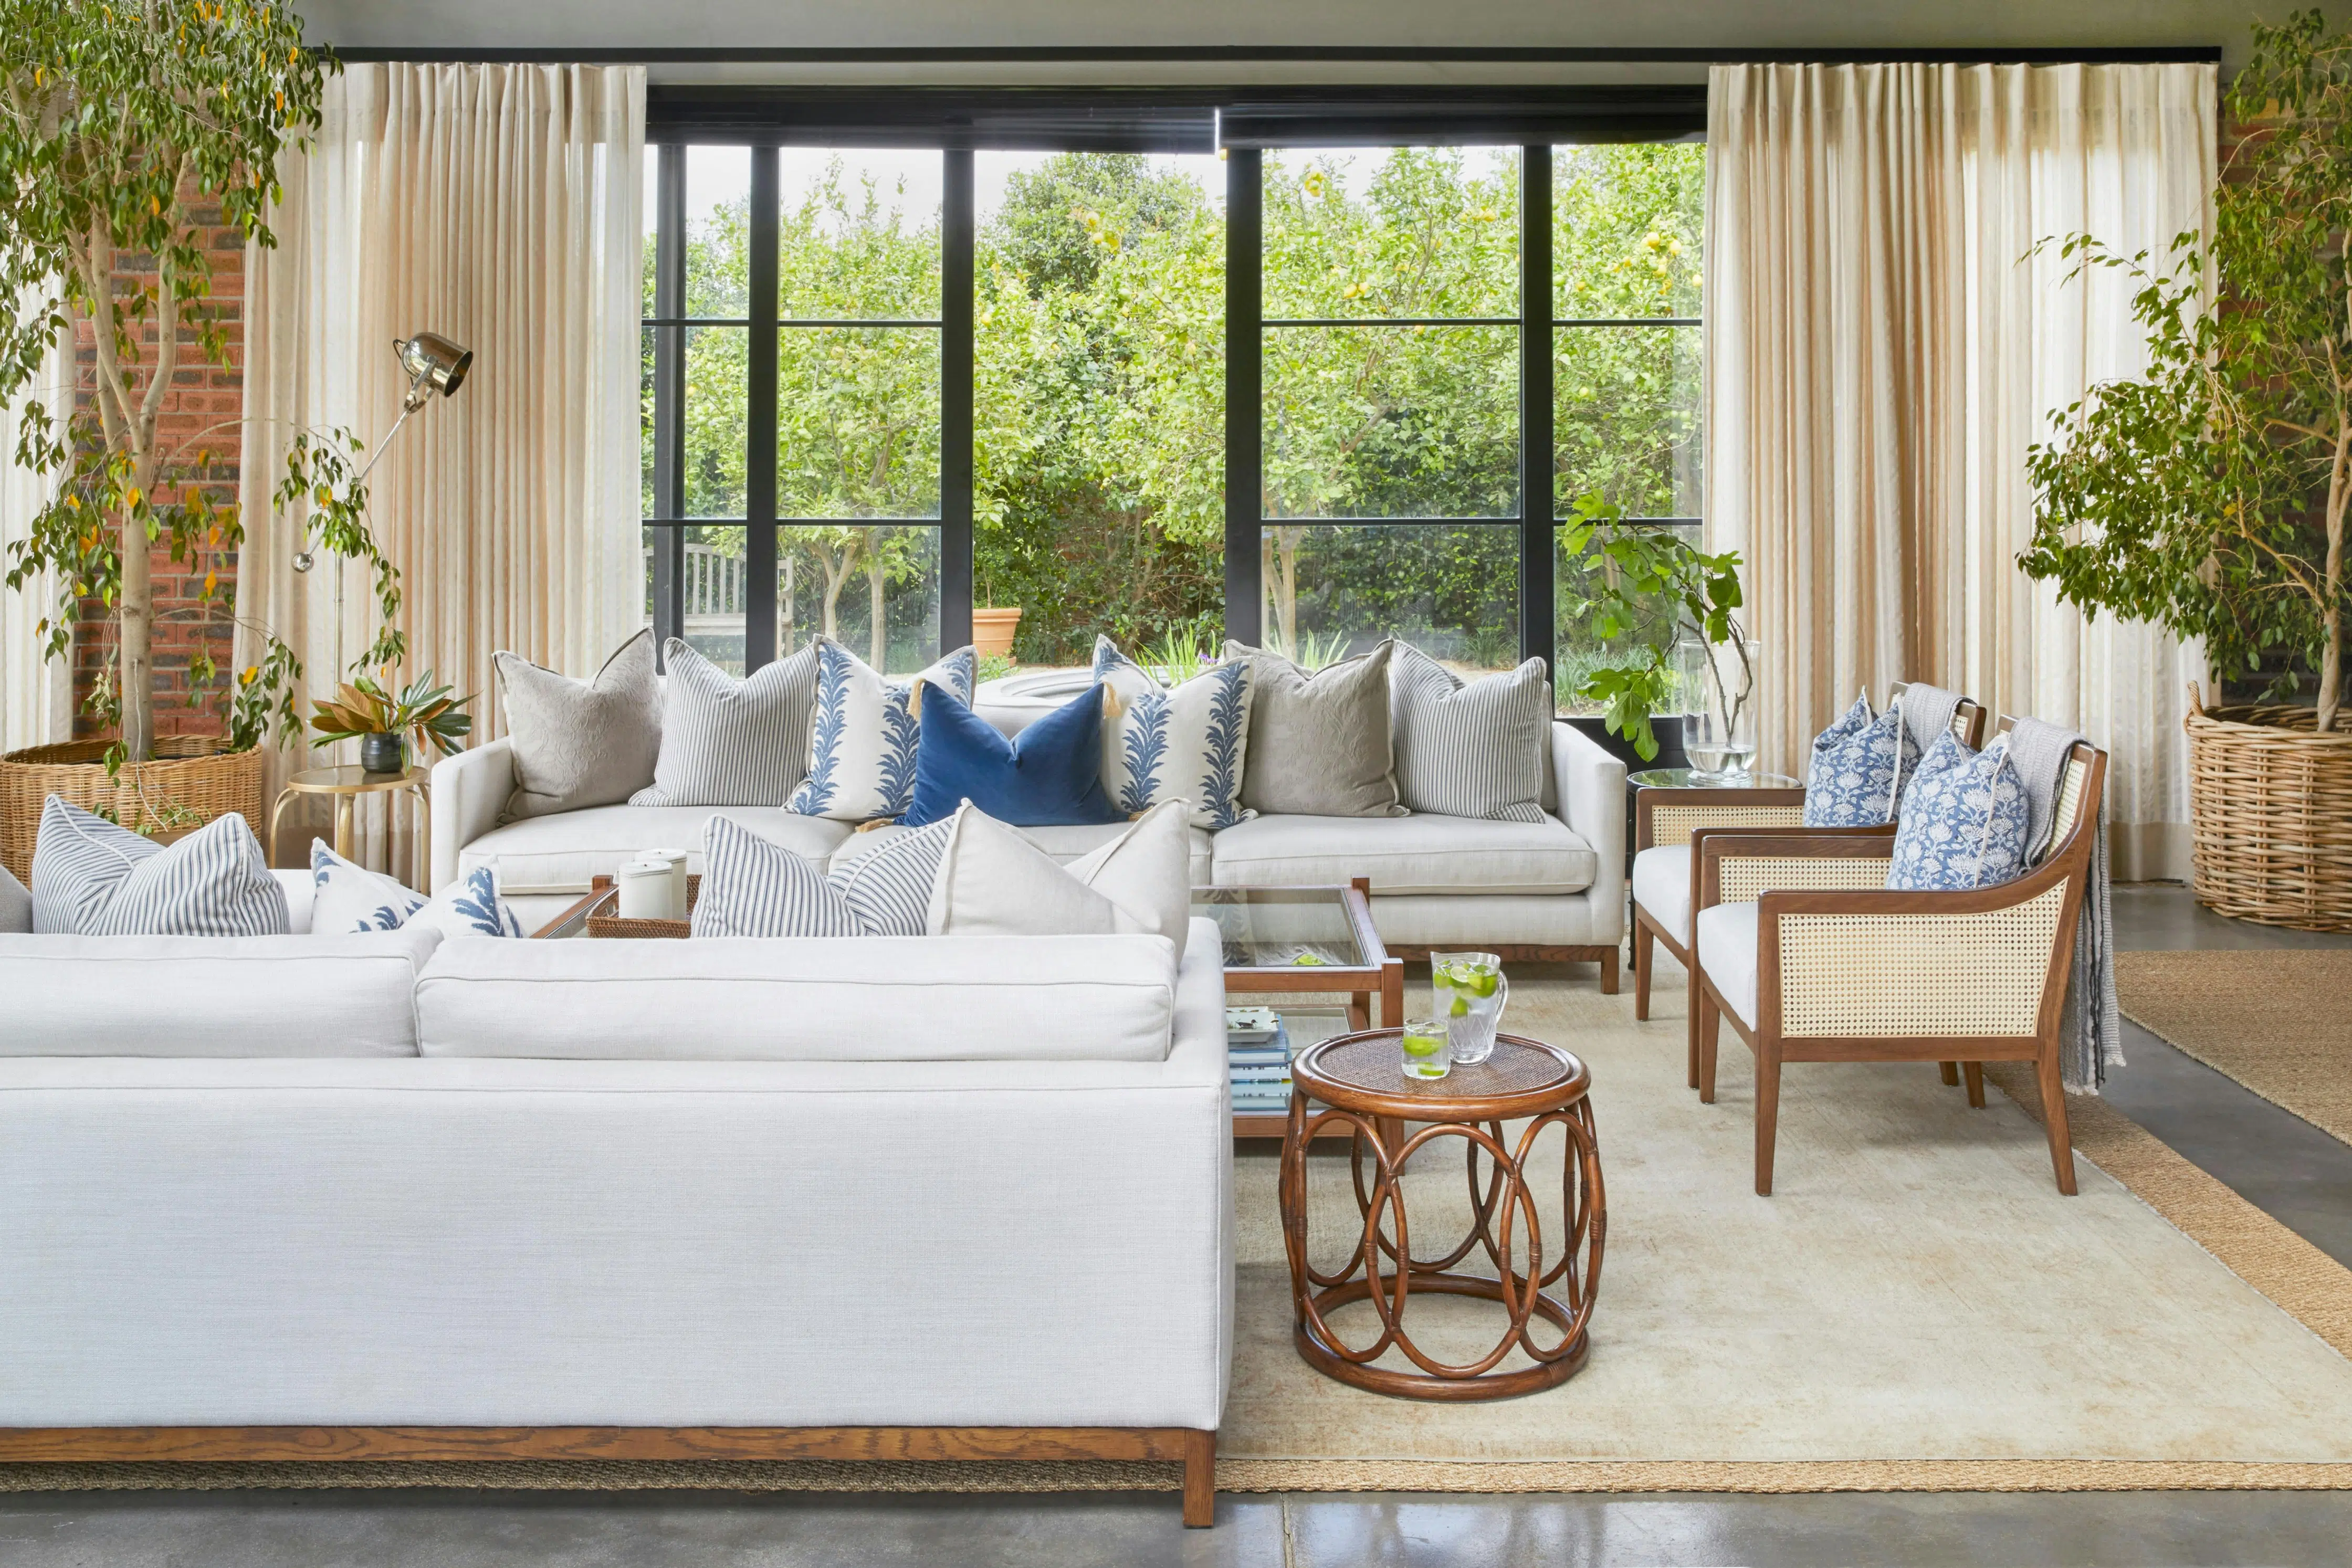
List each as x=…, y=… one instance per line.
x=669, y=393
x=760, y=454
x=1244, y=402
x=956, y=369
x=1536, y=551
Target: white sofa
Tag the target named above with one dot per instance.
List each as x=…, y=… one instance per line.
x=916, y=1184
x=1549, y=889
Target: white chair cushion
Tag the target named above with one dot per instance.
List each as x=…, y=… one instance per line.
x=1662, y=886
x=570, y=847
x=1727, y=951
x=1064, y=842
x=856, y=999
x=1420, y=853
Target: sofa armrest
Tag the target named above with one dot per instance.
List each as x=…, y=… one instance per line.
x=16, y=905
x=1591, y=786
x=469, y=792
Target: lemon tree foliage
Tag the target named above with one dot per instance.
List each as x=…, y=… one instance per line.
x=124, y=128
x=2210, y=495
x=1098, y=396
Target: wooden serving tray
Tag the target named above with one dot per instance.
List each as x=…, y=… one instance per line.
x=612, y=925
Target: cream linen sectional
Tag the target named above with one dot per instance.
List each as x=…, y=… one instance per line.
x=395, y=1181
x=1554, y=888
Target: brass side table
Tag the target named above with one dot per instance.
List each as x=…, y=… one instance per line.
x=1359, y=1077
x=346, y=785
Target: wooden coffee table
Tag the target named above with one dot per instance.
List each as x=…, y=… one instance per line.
x=1304, y=941
x=1359, y=1083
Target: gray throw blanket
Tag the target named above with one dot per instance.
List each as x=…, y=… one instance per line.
x=1927, y=713
x=2090, y=1032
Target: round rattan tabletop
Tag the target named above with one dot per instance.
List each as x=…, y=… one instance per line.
x=1362, y=1072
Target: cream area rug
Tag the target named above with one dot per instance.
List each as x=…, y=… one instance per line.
x=1917, y=1308
x=2278, y=1022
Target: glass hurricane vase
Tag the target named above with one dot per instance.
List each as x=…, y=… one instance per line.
x=1719, y=695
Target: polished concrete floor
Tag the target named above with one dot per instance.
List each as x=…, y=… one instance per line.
x=2287, y=1167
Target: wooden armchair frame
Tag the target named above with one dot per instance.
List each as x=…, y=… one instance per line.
x=2010, y=926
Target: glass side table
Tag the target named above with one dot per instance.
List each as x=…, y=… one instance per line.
x=1692, y=778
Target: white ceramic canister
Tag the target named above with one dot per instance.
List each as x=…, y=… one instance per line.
x=645, y=890
x=676, y=860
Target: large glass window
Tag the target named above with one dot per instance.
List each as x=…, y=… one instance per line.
x=1390, y=378
x=1098, y=397
x=1626, y=254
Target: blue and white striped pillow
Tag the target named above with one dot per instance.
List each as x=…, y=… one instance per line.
x=348, y=899
x=1469, y=750
x=751, y=887
x=92, y=878
x=726, y=742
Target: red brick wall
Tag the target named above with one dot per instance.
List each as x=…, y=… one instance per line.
x=204, y=395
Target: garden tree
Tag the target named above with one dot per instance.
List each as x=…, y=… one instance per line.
x=2209, y=494
x=121, y=126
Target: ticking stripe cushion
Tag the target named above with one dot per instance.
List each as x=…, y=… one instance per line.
x=752, y=887
x=92, y=878
x=726, y=742
x=1469, y=750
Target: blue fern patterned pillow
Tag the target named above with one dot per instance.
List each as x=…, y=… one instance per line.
x=1856, y=768
x=861, y=762
x=1187, y=743
x=348, y=899
x=1963, y=822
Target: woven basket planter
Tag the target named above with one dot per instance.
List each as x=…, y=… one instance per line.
x=189, y=771
x=2271, y=809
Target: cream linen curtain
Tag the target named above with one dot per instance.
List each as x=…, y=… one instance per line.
x=1879, y=356
x=498, y=205
x=35, y=693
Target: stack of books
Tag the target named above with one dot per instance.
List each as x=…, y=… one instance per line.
x=1257, y=1053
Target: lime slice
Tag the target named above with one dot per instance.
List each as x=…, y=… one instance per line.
x=1460, y=1009
x=1485, y=982
x=1420, y=1045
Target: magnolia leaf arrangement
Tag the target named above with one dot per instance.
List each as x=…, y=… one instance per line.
x=2210, y=495
x=421, y=709
x=127, y=130
x=1641, y=590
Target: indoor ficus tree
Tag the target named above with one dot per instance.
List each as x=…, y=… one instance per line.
x=122, y=125
x=2210, y=495
x=1638, y=591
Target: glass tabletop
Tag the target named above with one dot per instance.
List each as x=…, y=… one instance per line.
x=1692, y=778
x=1282, y=927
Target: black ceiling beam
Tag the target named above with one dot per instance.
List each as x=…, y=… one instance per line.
x=1286, y=53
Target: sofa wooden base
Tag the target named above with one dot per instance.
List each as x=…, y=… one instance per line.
x=1526, y=953
x=105, y=1445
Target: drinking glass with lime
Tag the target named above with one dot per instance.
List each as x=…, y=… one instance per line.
x=1470, y=991
x=1427, y=1051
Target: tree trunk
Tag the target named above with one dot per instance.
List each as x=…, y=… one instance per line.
x=134, y=625
x=2331, y=620
x=878, y=635
x=1282, y=580
x=784, y=629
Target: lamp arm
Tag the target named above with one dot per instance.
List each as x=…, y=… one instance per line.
x=409, y=405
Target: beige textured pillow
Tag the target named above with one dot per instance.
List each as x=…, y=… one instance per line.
x=1318, y=744
x=582, y=743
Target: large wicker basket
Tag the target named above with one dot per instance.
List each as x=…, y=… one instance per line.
x=2271, y=806
x=190, y=777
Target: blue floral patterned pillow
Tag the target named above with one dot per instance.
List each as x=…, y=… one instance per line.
x=1963, y=822
x=861, y=761
x=348, y=899
x=1858, y=764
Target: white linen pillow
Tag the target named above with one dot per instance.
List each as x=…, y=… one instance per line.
x=94, y=878
x=861, y=757
x=16, y=905
x=1189, y=742
x=726, y=742
x=347, y=899
x=1469, y=750
x=1147, y=872
x=994, y=881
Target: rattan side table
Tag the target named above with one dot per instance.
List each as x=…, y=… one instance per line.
x=1358, y=1080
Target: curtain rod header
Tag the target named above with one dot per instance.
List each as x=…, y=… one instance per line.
x=1282, y=54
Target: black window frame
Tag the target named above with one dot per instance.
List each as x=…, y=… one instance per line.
x=1237, y=123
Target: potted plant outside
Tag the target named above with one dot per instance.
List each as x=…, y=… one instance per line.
x=2209, y=495
x=127, y=131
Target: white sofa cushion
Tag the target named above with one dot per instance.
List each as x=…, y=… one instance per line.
x=1064, y=842
x=570, y=847
x=1727, y=951
x=1421, y=853
x=860, y=999
x=1146, y=870
x=1662, y=886
x=213, y=995
x=994, y=882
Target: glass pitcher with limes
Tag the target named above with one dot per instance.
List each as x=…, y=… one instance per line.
x=1471, y=991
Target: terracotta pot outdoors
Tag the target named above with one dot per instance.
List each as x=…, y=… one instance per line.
x=993, y=631
x=2269, y=805
x=189, y=772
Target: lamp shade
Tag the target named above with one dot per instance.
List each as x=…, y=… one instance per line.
x=433, y=362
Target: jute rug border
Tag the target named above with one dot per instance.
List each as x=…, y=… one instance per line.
x=1240, y=1475
x=2326, y=1105
x=2304, y=1282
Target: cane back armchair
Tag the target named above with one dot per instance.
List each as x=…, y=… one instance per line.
x=1874, y=975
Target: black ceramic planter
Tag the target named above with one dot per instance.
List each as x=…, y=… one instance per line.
x=383, y=754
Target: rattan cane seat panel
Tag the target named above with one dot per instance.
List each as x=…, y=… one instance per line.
x=1674, y=824
x=1743, y=879
x=2070, y=800
x=1918, y=974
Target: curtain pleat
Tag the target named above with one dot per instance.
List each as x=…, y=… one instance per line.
x=1881, y=349
x=35, y=693
x=498, y=205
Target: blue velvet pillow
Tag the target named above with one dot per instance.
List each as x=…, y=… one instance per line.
x=1048, y=775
